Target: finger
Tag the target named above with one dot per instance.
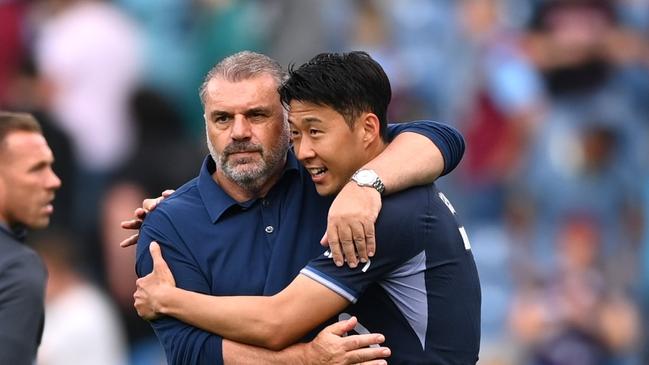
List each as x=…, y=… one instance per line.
x=140, y=213
x=375, y=362
x=361, y=341
x=370, y=238
x=373, y=355
x=342, y=327
x=358, y=234
x=130, y=241
x=334, y=245
x=347, y=244
x=159, y=264
x=131, y=224
x=167, y=193
x=324, y=241
x=149, y=204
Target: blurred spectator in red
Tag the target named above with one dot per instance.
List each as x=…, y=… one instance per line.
x=12, y=14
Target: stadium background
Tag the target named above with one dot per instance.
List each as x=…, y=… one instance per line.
x=551, y=96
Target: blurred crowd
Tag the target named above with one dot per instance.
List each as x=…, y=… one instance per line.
x=552, y=97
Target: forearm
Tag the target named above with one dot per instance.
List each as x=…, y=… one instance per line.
x=235, y=353
x=243, y=319
x=411, y=159
x=271, y=322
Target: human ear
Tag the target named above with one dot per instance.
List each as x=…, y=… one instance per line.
x=370, y=128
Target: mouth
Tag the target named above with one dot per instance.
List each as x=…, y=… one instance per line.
x=48, y=208
x=243, y=152
x=317, y=173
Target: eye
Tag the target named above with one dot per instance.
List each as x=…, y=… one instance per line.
x=258, y=116
x=314, y=132
x=221, y=119
x=294, y=133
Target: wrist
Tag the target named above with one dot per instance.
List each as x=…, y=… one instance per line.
x=165, y=304
x=368, y=178
x=295, y=354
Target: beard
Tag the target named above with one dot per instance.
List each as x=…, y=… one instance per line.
x=251, y=173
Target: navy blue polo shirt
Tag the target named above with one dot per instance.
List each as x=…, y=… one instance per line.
x=421, y=289
x=217, y=246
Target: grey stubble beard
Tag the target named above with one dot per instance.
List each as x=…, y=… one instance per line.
x=252, y=179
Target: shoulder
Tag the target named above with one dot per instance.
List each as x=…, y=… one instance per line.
x=178, y=206
x=187, y=196
x=406, y=204
x=22, y=271
x=15, y=253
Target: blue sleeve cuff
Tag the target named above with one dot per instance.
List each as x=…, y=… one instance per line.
x=449, y=141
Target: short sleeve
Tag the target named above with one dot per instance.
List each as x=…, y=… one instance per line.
x=447, y=139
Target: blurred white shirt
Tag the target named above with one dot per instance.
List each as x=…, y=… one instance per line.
x=91, y=52
x=81, y=328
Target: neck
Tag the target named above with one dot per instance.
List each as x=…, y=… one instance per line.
x=373, y=150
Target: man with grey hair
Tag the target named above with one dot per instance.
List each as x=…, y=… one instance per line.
x=249, y=176
x=252, y=218
x=27, y=187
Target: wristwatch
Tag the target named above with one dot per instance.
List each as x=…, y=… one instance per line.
x=367, y=177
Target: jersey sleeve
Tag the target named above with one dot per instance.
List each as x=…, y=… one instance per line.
x=183, y=344
x=398, y=237
x=449, y=141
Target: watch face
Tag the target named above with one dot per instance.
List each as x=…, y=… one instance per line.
x=365, y=177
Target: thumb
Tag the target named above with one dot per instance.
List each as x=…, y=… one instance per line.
x=159, y=264
x=340, y=328
x=324, y=241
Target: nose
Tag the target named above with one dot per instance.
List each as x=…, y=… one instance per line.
x=53, y=181
x=303, y=149
x=241, y=128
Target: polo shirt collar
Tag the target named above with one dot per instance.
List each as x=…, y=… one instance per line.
x=216, y=200
x=19, y=233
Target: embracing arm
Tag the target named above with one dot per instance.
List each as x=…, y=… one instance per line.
x=331, y=347
x=418, y=154
x=273, y=322
x=185, y=343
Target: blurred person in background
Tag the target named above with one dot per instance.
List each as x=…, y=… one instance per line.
x=81, y=326
x=27, y=188
x=158, y=123
x=28, y=91
x=12, y=34
x=89, y=53
x=575, y=316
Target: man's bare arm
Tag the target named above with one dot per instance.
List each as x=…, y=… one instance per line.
x=329, y=347
x=409, y=160
x=271, y=322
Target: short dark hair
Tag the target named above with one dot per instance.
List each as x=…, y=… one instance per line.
x=12, y=122
x=350, y=83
